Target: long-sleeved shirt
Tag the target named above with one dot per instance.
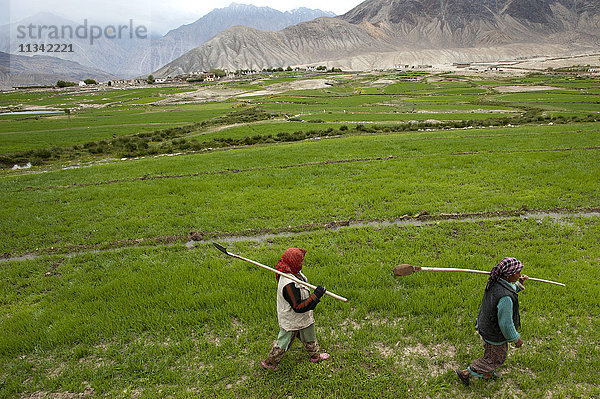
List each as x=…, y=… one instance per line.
x=292, y=295
x=505, y=318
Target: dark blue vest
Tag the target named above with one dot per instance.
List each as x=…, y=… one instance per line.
x=487, y=319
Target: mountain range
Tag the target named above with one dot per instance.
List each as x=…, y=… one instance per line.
x=104, y=54
x=376, y=34
x=384, y=33
x=41, y=70
x=140, y=56
x=187, y=37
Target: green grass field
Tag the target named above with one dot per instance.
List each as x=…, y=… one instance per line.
x=103, y=293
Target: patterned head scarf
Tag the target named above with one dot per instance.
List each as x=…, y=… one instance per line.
x=291, y=261
x=506, y=268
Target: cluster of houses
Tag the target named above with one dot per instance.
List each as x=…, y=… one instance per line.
x=132, y=82
x=404, y=67
x=193, y=77
x=189, y=77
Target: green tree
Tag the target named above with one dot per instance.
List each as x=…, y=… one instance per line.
x=62, y=83
x=218, y=72
x=150, y=79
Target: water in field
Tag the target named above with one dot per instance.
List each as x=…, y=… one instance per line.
x=539, y=216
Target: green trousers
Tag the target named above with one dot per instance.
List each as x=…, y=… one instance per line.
x=284, y=338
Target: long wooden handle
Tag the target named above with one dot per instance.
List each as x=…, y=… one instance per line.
x=546, y=281
x=291, y=277
x=448, y=269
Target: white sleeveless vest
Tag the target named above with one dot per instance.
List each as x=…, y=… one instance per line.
x=288, y=319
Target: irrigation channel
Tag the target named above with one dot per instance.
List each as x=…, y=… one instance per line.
x=194, y=238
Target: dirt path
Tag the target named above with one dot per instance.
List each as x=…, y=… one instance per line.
x=522, y=89
x=225, y=127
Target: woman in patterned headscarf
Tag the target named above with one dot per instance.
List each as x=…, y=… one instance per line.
x=498, y=319
x=295, y=306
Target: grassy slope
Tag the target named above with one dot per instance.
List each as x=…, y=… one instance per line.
x=441, y=172
x=171, y=320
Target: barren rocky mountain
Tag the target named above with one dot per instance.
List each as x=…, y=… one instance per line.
x=179, y=41
x=384, y=33
x=104, y=54
x=127, y=57
x=16, y=70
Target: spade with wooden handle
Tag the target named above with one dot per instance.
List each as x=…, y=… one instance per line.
x=291, y=277
x=407, y=270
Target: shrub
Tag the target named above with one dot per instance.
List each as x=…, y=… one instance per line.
x=298, y=135
x=62, y=83
x=42, y=153
x=283, y=136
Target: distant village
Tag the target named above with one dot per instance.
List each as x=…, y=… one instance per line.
x=213, y=76
x=220, y=75
x=203, y=76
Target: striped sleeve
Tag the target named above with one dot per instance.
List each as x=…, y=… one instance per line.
x=292, y=294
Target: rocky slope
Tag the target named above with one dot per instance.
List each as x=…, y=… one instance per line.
x=103, y=54
x=128, y=58
x=383, y=33
x=183, y=39
x=16, y=70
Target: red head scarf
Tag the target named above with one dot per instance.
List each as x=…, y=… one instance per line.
x=291, y=261
x=506, y=268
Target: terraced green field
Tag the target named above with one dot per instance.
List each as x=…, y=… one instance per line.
x=110, y=285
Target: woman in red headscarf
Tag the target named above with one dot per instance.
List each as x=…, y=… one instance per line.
x=295, y=306
x=498, y=319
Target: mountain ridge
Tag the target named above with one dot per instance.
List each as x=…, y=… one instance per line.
x=382, y=33
x=183, y=39
x=131, y=58
x=18, y=70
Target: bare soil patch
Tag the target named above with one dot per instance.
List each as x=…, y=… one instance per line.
x=522, y=89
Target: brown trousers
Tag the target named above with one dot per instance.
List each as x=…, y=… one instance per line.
x=493, y=357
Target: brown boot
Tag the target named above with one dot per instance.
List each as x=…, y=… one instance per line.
x=273, y=358
x=463, y=376
x=313, y=350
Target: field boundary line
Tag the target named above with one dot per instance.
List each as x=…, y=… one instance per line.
x=199, y=237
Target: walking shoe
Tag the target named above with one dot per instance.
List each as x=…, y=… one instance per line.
x=463, y=378
x=491, y=376
x=269, y=367
x=322, y=356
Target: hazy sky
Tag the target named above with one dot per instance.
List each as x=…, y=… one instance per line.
x=161, y=16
